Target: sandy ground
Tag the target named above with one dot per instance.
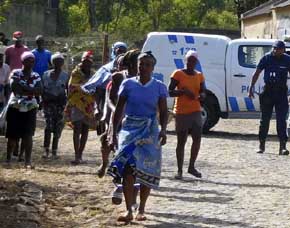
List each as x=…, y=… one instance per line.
x=239, y=188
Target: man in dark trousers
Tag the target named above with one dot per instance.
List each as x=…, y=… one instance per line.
x=276, y=66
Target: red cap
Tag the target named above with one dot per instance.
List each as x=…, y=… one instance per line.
x=17, y=35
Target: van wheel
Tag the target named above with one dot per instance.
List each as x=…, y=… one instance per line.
x=209, y=113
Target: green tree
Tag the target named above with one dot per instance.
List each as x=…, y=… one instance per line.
x=243, y=6
x=4, y=7
x=78, y=18
x=131, y=20
x=220, y=20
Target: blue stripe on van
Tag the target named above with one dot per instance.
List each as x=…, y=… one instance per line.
x=249, y=104
x=189, y=39
x=172, y=38
x=179, y=63
x=234, y=104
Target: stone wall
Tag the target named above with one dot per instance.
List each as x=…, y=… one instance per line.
x=258, y=27
x=273, y=25
x=31, y=20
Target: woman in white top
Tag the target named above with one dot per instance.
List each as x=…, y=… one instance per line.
x=21, y=116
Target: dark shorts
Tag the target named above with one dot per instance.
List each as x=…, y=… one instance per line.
x=20, y=124
x=192, y=123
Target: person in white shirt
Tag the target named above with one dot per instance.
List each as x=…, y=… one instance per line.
x=4, y=79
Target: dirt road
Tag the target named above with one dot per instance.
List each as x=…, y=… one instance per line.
x=239, y=188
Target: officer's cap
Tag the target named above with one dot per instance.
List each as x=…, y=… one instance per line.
x=279, y=44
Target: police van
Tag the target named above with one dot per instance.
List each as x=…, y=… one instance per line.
x=228, y=66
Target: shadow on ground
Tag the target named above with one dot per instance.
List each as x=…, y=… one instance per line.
x=189, y=221
x=231, y=135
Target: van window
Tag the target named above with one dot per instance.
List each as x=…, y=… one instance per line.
x=249, y=55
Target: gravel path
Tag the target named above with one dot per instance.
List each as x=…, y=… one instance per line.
x=239, y=188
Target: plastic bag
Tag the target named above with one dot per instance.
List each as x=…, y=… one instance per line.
x=3, y=114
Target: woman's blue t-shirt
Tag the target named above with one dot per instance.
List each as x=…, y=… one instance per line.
x=142, y=100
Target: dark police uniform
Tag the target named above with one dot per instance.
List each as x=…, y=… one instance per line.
x=274, y=94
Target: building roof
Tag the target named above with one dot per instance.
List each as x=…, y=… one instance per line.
x=265, y=8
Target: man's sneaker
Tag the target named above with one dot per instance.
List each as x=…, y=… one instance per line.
x=261, y=147
x=29, y=166
x=283, y=150
x=55, y=157
x=45, y=153
x=178, y=176
x=194, y=172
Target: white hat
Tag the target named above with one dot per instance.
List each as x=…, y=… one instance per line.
x=191, y=53
x=26, y=55
x=56, y=55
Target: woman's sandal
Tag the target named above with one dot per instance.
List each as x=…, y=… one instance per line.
x=140, y=217
x=101, y=171
x=75, y=162
x=127, y=218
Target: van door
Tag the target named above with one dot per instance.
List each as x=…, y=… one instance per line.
x=244, y=59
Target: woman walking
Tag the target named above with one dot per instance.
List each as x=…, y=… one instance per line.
x=188, y=86
x=21, y=115
x=106, y=119
x=80, y=106
x=138, y=158
x=127, y=67
x=54, y=100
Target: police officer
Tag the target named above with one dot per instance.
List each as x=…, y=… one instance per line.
x=276, y=65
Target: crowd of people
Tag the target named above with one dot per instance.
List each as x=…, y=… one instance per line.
x=126, y=106
x=121, y=101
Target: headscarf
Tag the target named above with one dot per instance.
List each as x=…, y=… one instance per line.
x=191, y=53
x=115, y=46
x=56, y=55
x=88, y=55
x=26, y=55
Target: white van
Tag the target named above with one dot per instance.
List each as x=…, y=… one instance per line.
x=228, y=66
